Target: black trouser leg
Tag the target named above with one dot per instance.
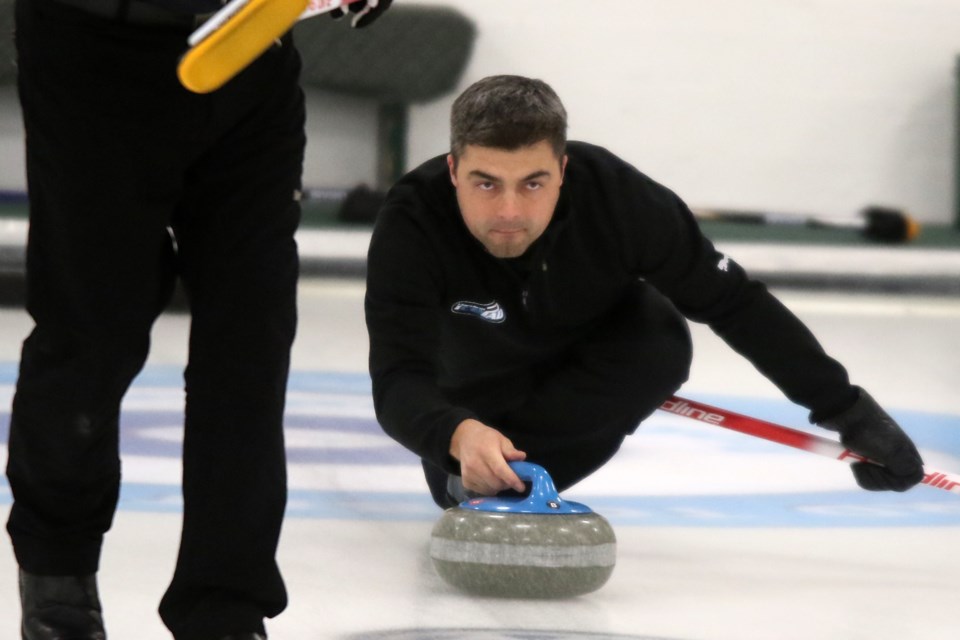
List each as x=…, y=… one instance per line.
x=63, y=464
x=240, y=267
x=113, y=162
x=99, y=270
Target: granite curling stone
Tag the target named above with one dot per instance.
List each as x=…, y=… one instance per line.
x=531, y=546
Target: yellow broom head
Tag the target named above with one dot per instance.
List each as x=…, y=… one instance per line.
x=239, y=41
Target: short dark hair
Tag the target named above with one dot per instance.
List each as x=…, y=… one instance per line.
x=507, y=112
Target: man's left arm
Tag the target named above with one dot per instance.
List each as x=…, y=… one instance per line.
x=707, y=286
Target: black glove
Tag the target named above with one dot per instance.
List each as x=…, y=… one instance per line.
x=867, y=429
x=366, y=12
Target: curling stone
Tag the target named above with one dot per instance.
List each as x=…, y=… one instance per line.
x=535, y=545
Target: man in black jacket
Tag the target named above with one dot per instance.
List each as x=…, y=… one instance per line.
x=122, y=160
x=526, y=299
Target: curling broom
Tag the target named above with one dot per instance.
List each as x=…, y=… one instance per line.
x=790, y=437
x=238, y=34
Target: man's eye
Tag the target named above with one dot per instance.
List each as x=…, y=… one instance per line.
x=485, y=186
x=533, y=186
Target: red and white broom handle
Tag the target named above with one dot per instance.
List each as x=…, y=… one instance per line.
x=790, y=437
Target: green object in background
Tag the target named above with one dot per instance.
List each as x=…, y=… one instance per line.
x=392, y=119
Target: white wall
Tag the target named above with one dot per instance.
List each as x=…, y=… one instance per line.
x=819, y=106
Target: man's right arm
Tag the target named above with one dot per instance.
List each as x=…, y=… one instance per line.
x=409, y=405
x=403, y=304
x=405, y=284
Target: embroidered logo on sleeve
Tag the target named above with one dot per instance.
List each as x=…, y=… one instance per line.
x=724, y=264
x=491, y=312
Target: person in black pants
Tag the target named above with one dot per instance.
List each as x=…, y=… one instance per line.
x=133, y=182
x=526, y=299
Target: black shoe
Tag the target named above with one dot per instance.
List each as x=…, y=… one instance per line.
x=60, y=608
x=245, y=636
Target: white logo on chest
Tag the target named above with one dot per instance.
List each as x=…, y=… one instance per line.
x=491, y=312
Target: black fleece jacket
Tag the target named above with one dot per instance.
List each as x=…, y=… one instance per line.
x=442, y=313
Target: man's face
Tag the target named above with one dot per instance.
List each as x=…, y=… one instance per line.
x=507, y=198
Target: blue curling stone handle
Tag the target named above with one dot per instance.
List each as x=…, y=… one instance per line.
x=542, y=498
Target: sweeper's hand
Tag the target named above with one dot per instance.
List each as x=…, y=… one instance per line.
x=364, y=12
x=483, y=453
x=867, y=429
